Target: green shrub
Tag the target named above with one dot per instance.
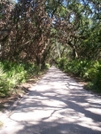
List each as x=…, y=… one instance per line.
x=47, y=66
x=89, y=70
x=12, y=74
x=3, y=83
x=62, y=63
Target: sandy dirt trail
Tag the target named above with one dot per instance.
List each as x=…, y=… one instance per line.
x=57, y=104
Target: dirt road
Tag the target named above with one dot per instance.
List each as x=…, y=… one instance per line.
x=57, y=104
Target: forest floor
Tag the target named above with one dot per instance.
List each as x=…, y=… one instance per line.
x=56, y=104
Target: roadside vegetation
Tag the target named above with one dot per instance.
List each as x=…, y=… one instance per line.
x=13, y=74
x=34, y=33
x=88, y=70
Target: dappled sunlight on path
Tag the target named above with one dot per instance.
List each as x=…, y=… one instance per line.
x=57, y=104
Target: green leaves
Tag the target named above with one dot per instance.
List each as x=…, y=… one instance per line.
x=12, y=74
x=89, y=70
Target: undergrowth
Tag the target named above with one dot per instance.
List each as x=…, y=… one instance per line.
x=12, y=74
x=88, y=70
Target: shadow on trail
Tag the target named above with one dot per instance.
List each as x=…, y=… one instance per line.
x=58, y=105
x=55, y=128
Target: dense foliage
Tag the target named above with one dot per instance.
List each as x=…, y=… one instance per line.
x=41, y=31
x=88, y=70
x=13, y=74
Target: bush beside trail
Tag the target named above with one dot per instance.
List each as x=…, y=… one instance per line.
x=13, y=74
x=89, y=70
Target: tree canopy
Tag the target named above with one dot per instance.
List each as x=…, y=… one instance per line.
x=33, y=29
